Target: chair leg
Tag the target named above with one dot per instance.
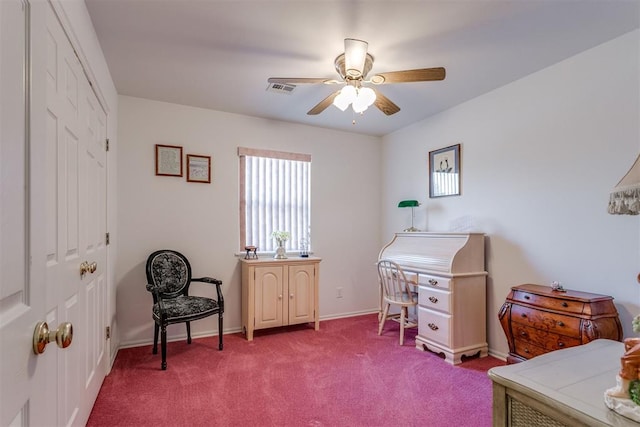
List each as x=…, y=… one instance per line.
x=156, y=329
x=384, y=318
x=163, y=339
x=403, y=314
x=219, y=331
x=188, y=332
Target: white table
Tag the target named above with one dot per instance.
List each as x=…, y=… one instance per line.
x=561, y=388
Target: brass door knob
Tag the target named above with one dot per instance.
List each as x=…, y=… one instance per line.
x=85, y=268
x=43, y=336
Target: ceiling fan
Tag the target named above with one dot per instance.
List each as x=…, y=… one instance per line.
x=353, y=66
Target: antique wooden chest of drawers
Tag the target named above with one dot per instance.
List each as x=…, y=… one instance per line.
x=537, y=320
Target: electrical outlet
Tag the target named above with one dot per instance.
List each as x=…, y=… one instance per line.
x=338, y=292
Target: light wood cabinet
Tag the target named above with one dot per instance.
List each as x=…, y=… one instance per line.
x=279, y=293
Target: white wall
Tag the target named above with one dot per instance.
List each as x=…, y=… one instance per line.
x=202, y=221
x=539, y=157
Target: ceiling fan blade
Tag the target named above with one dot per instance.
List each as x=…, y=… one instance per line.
x=385, y=105
x=407, y=76
x=322, y=105
x=300, y=80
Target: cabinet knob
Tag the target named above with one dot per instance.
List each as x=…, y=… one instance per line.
x=523, y=333
x=291, y=296
x=560, y=344
x=433, y=282
x=560, y=323
x=527, y=297
x=279, y=296
x=526, y=350
x=433, y=299
x=564, y=304
x=524, y=315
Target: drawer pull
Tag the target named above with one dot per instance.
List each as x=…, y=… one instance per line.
x=433, y=282
x=433, y=326
x=560, y=323
x=526, y=350
x=527, y=297
x=523, y=333
x=524, y=315
x=560, y=344
x=564, y=304
x=433, y=299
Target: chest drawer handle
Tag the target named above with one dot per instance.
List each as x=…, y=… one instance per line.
x=560, y=323
x=527, y=297
x=433, y=282
x=433, y=299
x=433, y=326
x=560, y=344
x=564, y=304
x=524, y=315
x=523, y=333
x=526, y=350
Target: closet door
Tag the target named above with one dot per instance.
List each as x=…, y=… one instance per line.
x=75, y=264
x=24, y=391
x=53, y=220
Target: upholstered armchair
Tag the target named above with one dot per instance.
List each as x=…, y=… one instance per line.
x=168, y=279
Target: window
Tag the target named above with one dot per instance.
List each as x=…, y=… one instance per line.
x=274, y=196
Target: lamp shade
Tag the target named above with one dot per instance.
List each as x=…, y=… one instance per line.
x=625, y=196
x=408, y=204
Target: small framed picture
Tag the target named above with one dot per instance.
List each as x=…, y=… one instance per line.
x=168, y=160
x=444, y=172
x=198, y=168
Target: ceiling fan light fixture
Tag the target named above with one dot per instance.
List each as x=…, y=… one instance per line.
x=366, y=97
x=355, y=53
x=347, y=95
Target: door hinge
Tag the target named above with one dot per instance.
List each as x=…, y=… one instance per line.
x=107, y=332
x=107, y=238
x=107, y=144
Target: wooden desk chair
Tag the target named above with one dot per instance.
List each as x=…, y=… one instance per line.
x=399, y=291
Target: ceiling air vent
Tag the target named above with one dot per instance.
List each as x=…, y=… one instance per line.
x=281, y=88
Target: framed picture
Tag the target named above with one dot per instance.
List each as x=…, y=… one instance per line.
x=168, y=160
x=444, y=172
x=198, y=168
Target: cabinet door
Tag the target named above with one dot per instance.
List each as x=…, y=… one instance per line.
x=269, y=296
x=301, y=293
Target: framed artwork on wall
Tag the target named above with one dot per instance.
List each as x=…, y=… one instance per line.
x=198, y=168
x=168, y=160
x=444, y=172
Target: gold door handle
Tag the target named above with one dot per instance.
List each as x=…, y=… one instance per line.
x=85, y=268
x=43, y=336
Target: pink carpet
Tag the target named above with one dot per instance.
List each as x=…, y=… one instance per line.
x=342, y=375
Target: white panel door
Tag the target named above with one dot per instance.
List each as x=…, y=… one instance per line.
x=64, y=222
x=76, y=211
x=23, y=377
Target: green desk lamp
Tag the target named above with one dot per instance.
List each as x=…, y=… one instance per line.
x=410, y=204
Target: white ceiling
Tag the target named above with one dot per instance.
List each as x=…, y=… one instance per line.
x=218, y=54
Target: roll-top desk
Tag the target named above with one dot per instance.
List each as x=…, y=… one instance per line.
x=452, y=313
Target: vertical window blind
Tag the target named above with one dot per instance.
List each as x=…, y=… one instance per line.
x=275, y=195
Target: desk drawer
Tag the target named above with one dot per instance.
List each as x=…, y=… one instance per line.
x=434, y=299
x=434, y=281
x=434, y=326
